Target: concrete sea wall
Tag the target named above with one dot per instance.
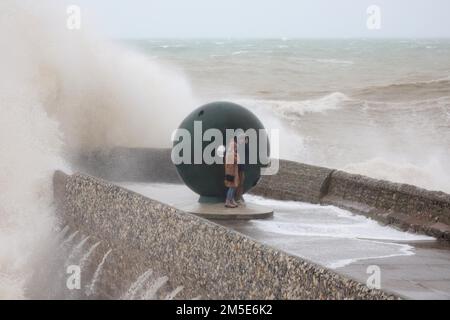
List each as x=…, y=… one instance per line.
x=408, y=207
x=209, y=260
x=295, y=181
x=130, y=164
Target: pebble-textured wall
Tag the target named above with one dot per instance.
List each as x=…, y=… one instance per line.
x=295, y=181
x=209, y=260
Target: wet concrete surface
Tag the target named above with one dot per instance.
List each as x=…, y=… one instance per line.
x=413, y=266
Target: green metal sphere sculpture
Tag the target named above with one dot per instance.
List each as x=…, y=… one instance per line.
x=203, y=177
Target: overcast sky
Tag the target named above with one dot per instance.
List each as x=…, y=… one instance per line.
x=266, y=18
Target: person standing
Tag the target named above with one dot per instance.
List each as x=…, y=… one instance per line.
x=231, y=173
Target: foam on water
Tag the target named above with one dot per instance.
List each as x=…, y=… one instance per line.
x=335, y=61
x=292, y=110
x=380, y=139
x=307, y=230
x=297, y=218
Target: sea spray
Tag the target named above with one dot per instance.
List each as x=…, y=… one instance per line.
x=69, y=238
x=427, y=176
x=100, y=94
x=76, y=250
x=91, y=290
x=61, y=93
x=62, y=233
x=86, y=256
x=146, y=288
x=174, y=293
x=135, y=286
x=151, y=292
x=294, y=109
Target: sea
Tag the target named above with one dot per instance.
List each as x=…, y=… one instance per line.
x=375, y=107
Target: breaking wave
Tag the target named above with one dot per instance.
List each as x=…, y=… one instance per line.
x=406, y=91
x=428, y=176
x=294, y=110
x=62, y=92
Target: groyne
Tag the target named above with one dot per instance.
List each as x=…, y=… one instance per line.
x=207, y=259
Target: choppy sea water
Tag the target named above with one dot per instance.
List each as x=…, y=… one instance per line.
x=375, y=107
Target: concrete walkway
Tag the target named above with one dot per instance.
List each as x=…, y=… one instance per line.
x=413, y=266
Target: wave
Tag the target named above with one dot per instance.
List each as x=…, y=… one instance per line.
x=335, y=61
x=406, y=91
x=236, y=53
x=66, y=91
x=430, y=176
x=339, y=224
x=294, y=110
x=319, y=223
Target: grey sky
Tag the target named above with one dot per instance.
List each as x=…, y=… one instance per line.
x=266, y=18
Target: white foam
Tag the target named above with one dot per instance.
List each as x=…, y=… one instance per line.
x=305, y=219
x=335, y=61
x=429, y=176
x=308, y=230
x=91, y=289
x=63, y=90
x=401, y=250
x=295, y=109
x=273, y=112
x=236, y=53
x=137, y=285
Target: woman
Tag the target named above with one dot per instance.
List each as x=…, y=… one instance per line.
x=231, y=173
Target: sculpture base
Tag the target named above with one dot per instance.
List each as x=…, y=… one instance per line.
x=206, y=199
x=218, y=211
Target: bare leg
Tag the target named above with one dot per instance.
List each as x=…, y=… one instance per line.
x=229, y=202
x=240, y=189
